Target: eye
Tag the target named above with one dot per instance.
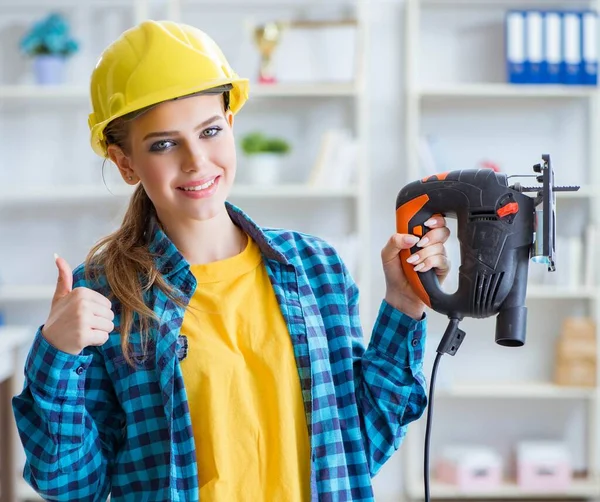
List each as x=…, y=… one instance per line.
x=161, y=146
x=210, y=132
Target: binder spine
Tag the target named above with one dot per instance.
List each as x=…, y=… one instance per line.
x=534, y=47
x=572, y=48
x=551, y=66
x=589, y=67
x=515, y=47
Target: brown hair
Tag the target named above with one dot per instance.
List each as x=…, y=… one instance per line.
x=124, y=256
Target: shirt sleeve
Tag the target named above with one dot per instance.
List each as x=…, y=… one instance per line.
x=389, y=382
x=69, y=423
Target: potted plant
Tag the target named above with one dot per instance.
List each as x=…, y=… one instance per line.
x=264, y=155
x=50, y=44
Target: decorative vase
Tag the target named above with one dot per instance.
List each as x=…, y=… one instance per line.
x=264, y=168
x=49, y=69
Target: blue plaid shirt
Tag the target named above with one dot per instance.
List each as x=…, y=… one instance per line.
x=93, y=425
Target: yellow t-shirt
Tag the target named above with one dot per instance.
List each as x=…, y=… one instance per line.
x=243, y=387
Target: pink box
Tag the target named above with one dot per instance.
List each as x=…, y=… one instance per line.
x=470, y=468
x=543, y=466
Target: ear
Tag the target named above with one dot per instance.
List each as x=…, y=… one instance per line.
x=229, y=117
x=123, y=163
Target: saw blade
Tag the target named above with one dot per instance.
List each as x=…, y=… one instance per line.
x=564, y=188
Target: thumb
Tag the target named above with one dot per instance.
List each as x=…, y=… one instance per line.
x=64, y=284
x=397, y=243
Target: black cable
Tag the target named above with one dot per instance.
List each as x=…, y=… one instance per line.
x=449, y=344
x=428, y=426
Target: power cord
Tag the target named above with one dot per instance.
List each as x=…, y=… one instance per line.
x=449, y=344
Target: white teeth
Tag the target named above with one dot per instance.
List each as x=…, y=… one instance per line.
x=199, y=187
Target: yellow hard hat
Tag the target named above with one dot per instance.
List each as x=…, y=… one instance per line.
x=153, y=62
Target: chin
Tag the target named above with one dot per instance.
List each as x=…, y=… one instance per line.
x=207, y=211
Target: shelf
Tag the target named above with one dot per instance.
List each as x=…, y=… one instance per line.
x=299, y=191
x=43, y=4
x=301, y=90
x=223, y=5
x=505, y=91
x=579, y=488
x=60, y=195
x=263, y=3
x=43, y=92
x=81, y=93
x=26, y=293
x=64, y=195
x=560, y=292
x=521, y=4
x=516, y=390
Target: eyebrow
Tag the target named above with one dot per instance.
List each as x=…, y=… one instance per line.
x=172, y=133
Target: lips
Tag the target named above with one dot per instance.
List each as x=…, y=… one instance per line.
x=201, y=189
x=197, y=186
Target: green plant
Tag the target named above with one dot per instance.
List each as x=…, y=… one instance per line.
x=257, y=142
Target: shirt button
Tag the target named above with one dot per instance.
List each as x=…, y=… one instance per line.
x=79, y=370
x=415, y=342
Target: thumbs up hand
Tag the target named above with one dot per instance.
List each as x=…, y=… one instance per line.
x=78, y=318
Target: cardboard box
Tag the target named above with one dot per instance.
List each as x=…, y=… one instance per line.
x=575, y=373
x=579, y=327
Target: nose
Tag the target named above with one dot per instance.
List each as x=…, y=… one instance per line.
x=194, y=159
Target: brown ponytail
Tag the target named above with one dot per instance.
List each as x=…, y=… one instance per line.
x=124, y=256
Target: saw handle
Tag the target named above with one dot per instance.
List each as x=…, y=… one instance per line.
x=421, y=282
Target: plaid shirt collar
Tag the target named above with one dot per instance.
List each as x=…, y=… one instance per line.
x=170, y=261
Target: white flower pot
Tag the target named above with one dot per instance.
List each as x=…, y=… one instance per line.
x=49, y=69
x=264, y=168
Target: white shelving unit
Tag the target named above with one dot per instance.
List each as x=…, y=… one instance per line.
x=425, y=95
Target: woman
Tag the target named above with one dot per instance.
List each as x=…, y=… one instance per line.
x=196, y=355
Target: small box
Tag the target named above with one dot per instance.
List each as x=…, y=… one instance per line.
x=470, y=468
x=544, y=466
x=579, y=327
x=576, y=348
x=575, y=373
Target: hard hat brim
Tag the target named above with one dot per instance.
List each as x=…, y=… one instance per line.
x=238, y=96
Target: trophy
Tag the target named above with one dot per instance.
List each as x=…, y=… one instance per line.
x=267, y=36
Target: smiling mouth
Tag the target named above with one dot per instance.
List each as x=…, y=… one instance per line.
x=199, y=188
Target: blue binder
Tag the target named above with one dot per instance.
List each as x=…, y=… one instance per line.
x=552, y=60
x=589, y=48
x=572, y=60
x=534, y=47
x=515, y=47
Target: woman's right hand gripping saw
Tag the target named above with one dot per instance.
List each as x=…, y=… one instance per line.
x=78, y=317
